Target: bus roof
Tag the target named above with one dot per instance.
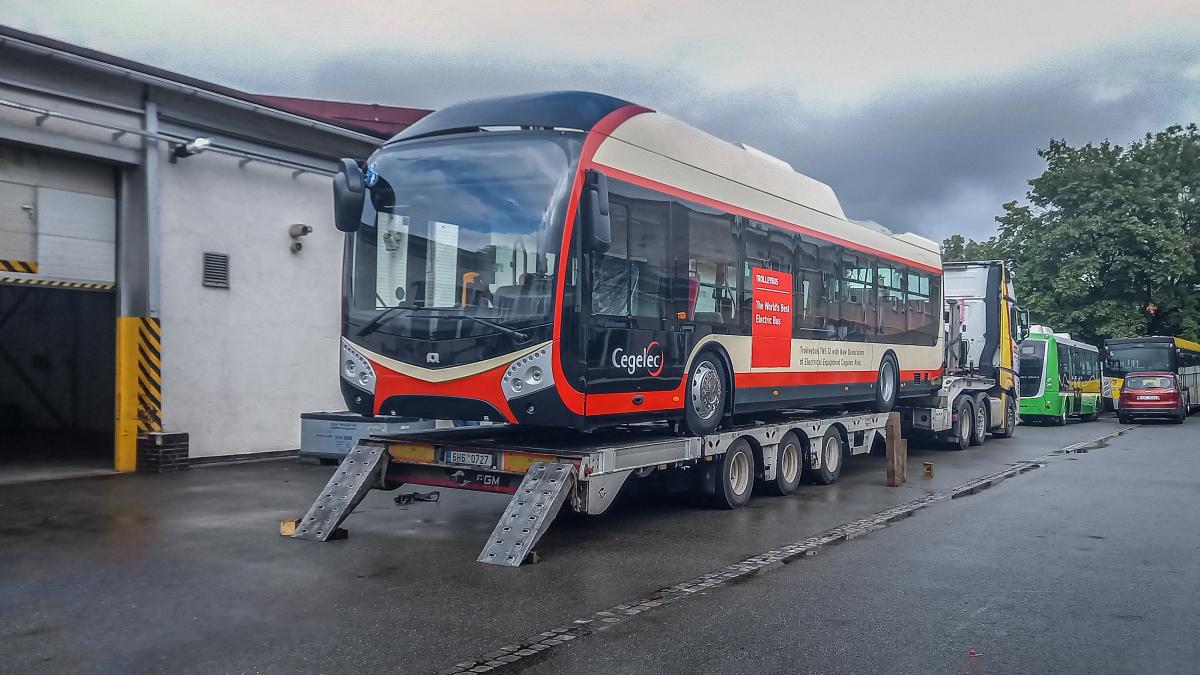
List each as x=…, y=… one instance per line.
x=1179, y=342
x=660, y=151
x=1059, y=338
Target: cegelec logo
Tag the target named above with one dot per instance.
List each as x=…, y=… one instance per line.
x=651, y=358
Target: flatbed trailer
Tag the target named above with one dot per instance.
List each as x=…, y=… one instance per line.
x=544, y=469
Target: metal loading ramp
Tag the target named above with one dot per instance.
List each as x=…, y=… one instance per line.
x=529, y=513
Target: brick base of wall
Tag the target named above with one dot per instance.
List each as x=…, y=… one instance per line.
x=159, y=452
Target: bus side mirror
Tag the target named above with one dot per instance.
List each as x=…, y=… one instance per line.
x=1023, y=323
x=349, y=191
x=596, y=218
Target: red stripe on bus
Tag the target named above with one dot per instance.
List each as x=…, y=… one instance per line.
x=485, y=386
x=730, y=208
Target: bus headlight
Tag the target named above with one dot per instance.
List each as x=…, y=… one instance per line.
x=356, y=369
x=529, y=373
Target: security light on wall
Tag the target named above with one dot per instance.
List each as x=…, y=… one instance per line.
x=192, y=147
x=297, y=231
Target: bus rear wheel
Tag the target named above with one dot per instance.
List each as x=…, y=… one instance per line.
x=706, y=395
x=887, y=387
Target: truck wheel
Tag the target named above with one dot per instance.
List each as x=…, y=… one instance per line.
x=706, y=395
x=964, y=421
x=735, y=479
x=1010, y=419
x=980, y=427
x=789, y=466
x=887, y=386
x=832, y=451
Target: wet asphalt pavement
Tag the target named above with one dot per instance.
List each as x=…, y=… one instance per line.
x=1089, y=563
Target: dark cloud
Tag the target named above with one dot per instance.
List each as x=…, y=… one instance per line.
x=927, y=158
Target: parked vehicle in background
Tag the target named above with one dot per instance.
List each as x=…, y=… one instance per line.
x=1153, y=394
x=1060, y=377
x=1151, y=353
x=987, y=328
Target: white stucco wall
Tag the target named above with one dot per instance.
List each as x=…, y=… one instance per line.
x=241, y=364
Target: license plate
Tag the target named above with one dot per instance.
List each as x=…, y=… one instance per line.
x=467, y=458
x=1147, y=398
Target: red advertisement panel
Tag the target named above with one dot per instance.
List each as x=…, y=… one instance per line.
x=771, y=316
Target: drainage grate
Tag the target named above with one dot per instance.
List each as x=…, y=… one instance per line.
x=216, y=270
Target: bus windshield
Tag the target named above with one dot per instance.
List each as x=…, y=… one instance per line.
x=1123, y=359
x=462, y=227
x=1033, y=363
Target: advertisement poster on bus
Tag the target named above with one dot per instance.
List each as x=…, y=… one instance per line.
x=771, y=333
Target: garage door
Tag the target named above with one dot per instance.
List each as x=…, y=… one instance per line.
x=58, y=220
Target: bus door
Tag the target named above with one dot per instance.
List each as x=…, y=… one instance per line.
x=633, y=345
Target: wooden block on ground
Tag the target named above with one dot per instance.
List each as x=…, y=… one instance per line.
x=288, y=527
x=897, y=452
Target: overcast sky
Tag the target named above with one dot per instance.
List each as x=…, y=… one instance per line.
x=924, y=116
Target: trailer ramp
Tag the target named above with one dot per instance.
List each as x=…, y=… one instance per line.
x=358, y=473
x=542, y=492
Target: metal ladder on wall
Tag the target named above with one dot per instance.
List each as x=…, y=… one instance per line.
x=542, y=492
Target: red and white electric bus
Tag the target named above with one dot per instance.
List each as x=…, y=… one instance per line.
x=573, y=260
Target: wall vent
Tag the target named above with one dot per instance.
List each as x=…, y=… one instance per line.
x=216, y=270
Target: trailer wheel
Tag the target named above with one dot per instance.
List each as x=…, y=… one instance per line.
x=789, y=466
x=706, y=395
x=964, y=422
x=887, y=387
x=979, y=428
x=735, y=478
x=1010, y=418
x=833, y=450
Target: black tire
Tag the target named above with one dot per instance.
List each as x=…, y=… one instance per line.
x=789, y=466
x=704, y=407
x=979, y=428
x=964, y=419
x=887, y=384
x=833, y=455
x=1123, y=419
x=1009, y=427
x=1061, y=419
x=1178, y=419
x=735, y=477
x=1089, y=417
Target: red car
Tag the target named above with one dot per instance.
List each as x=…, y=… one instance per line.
x=1152, y=394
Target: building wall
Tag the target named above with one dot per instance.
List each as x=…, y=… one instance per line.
x=240, y=364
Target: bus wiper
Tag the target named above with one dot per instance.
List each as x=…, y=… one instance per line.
x=518, y=335
x=379, y=320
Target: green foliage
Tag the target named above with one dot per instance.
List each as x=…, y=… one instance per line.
x=957, y=248
x=1107, y=244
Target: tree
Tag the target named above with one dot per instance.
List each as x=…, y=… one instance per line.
x=1107, y=244
x=957, y=248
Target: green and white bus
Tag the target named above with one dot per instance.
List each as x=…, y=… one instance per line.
x=1059, y=377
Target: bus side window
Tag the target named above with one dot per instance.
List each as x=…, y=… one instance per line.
x=711, y=264
x=816, y=315
x=892, y=306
